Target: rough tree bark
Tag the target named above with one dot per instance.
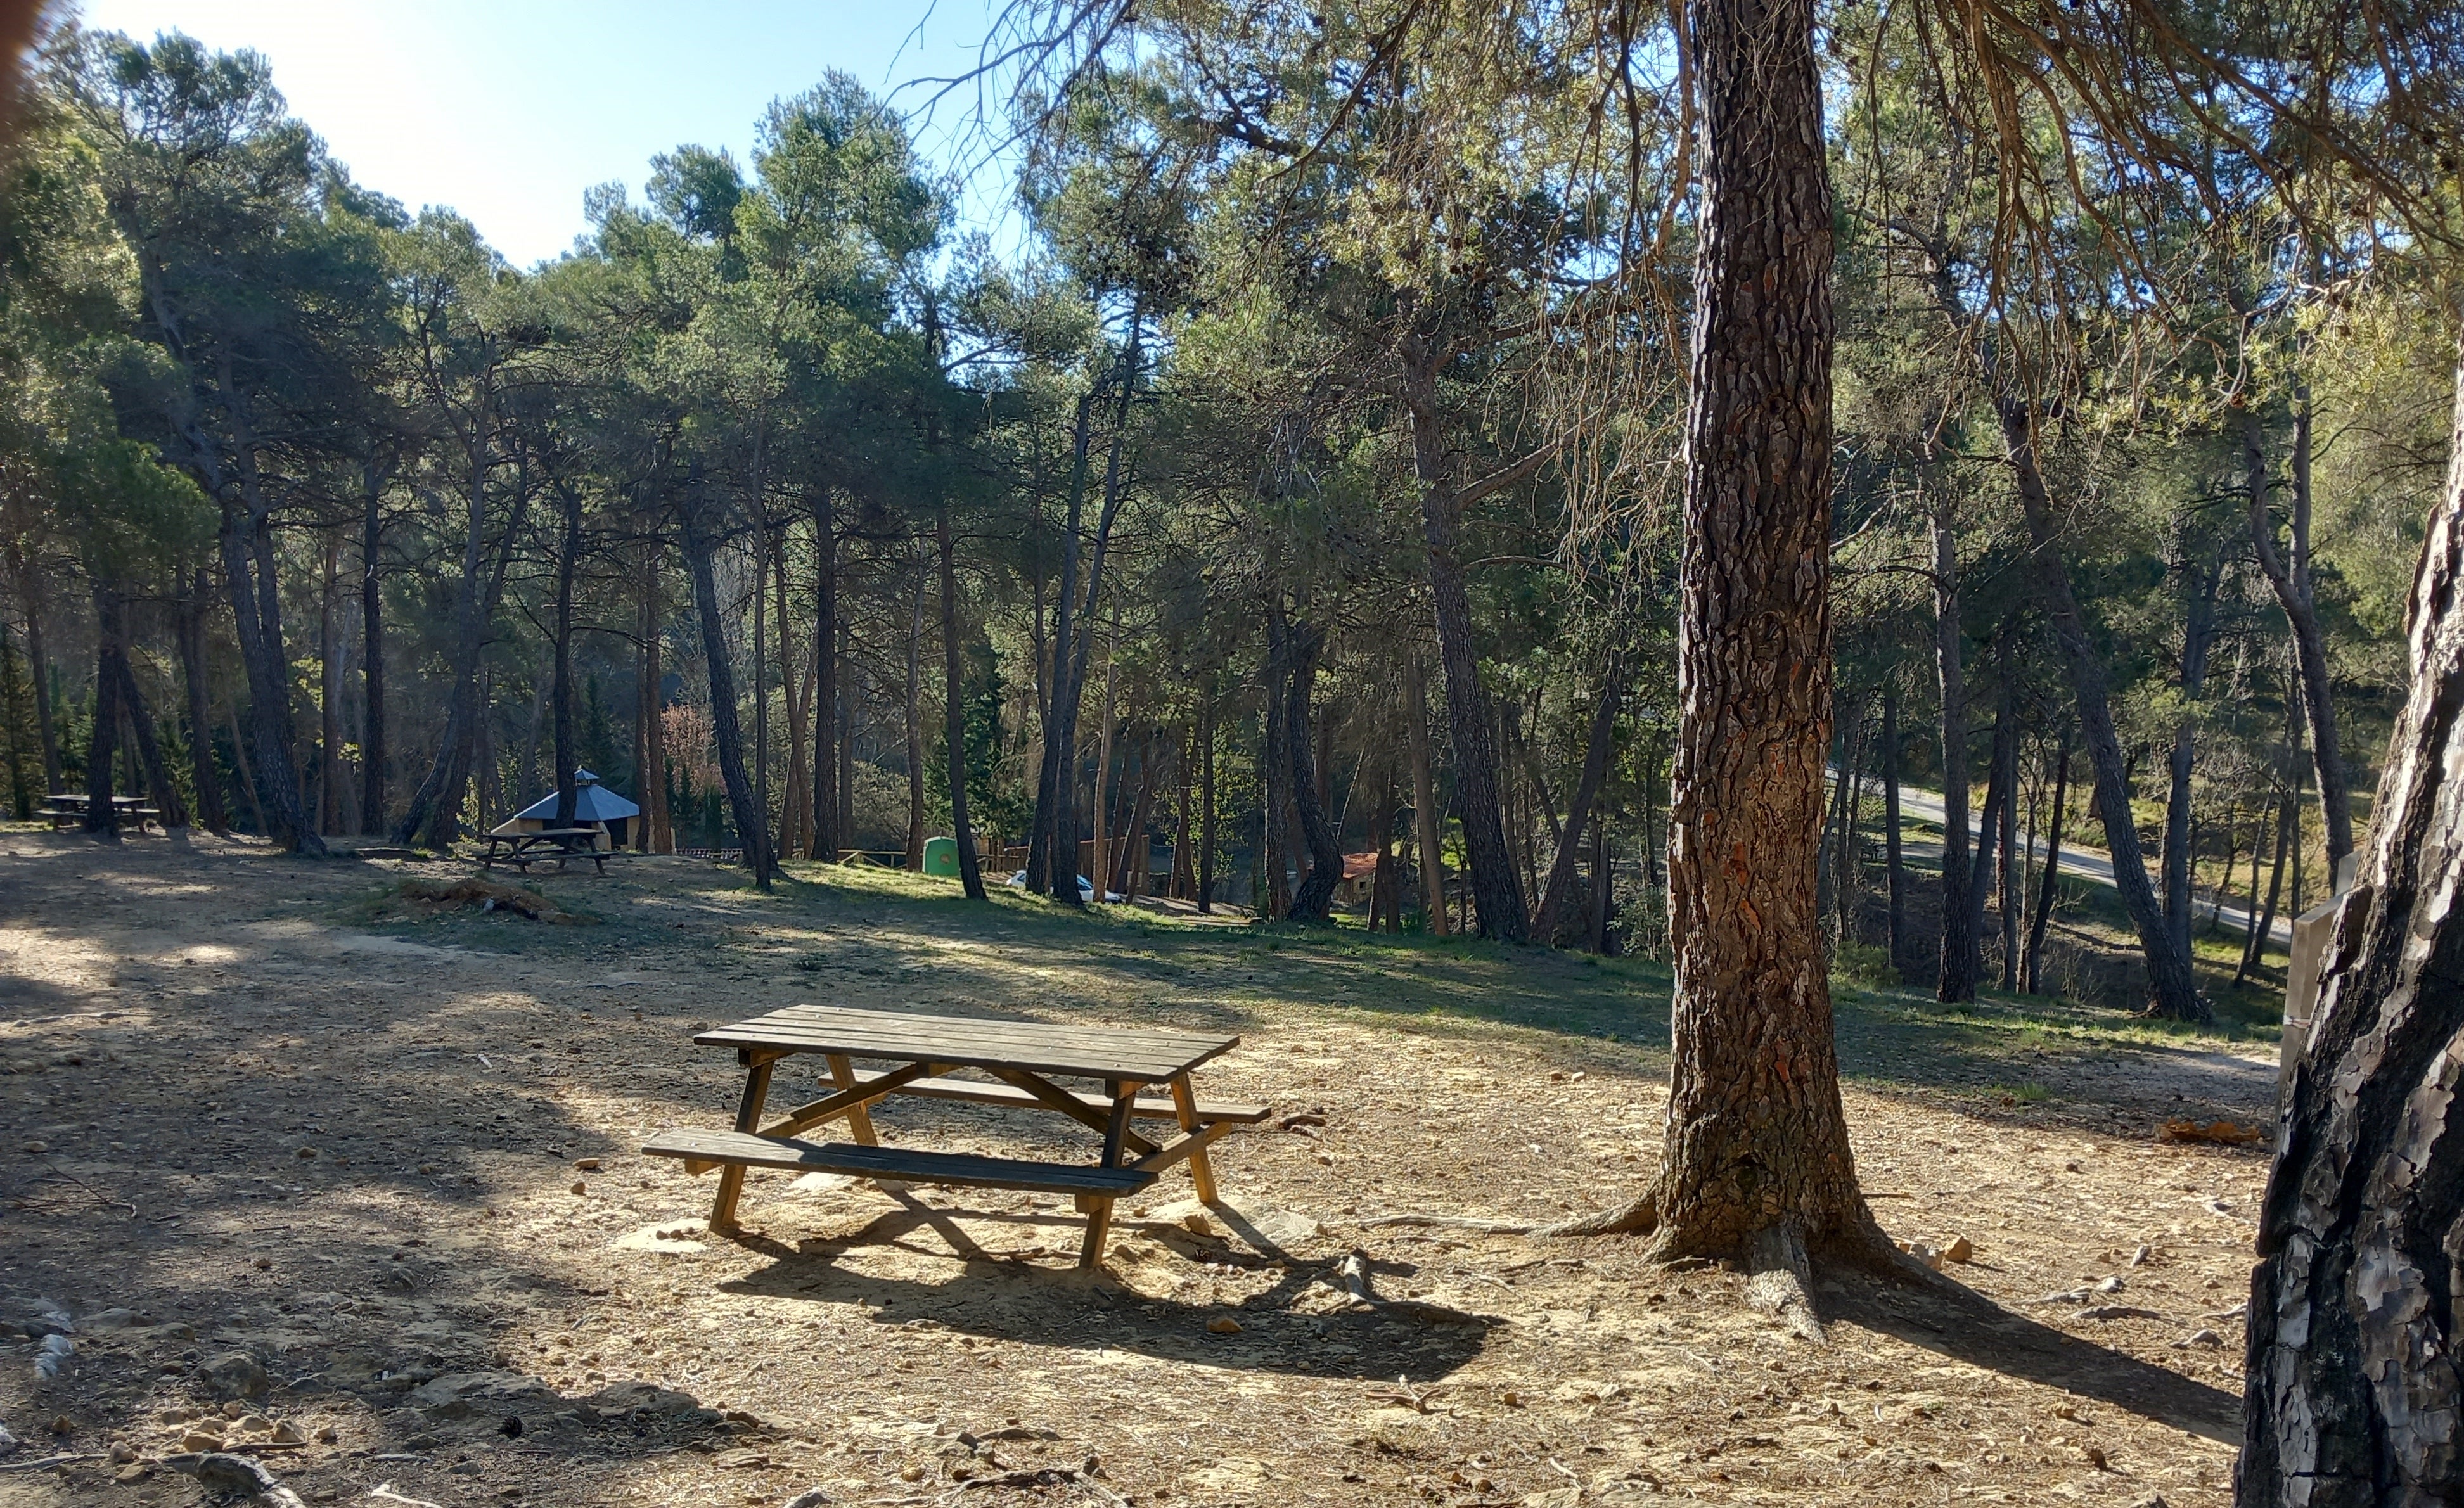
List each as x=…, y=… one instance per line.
x=1756, y=1162
x=2172, y=990
x=2351, y=1393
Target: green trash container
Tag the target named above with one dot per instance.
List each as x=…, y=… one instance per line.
x=942, y=858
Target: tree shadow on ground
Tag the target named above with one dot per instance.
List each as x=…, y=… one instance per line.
x=1952, y=1319
x=1004, y=1296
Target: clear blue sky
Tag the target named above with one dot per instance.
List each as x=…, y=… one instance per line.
x=506, y=111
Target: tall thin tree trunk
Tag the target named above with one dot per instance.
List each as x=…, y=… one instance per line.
x=760, y=660
x=1956, y=978
x=2350, y=1392
x=2048, y=876
x=1755, y=1162
x=568, y=561
x=2172, y=990
x=1427, y=821
x=12, y=707
x=101, y=816
x=1894, y=871
x=751, y=822
x=2291, y=581
x=1314, y=901
x=1275, y=778
x=1184, y=882
x=38, y=668
x=659, y=831
x=159, y=785
x=1206, y=808
x=2198, y=632
x=1598, y=749
x=2009, y=892
x=954, y=694
x=794, y=823
x=915, y=727
x=331, y=652
x=1480, y=795
x=828, y=837
x=197, y=591
x=247, y=775
x=373, y=751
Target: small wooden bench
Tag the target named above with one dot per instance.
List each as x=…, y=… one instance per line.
x=1021, y=1055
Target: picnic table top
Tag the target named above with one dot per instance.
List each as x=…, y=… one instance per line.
x=1095, y=1052
x=543, y=835
x=80, y=799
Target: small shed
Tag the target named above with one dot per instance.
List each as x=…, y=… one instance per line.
x=594, y=805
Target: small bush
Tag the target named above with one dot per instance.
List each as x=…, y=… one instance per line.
x=1868, y=967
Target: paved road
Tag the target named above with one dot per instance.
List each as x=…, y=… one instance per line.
x=2092, y=864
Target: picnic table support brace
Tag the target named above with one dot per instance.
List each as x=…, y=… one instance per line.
x=1124, y=1093
x=1184, y=1101
x=860, y=1117
x=748, y=1119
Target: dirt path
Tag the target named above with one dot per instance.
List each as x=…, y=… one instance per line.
x=275, y=1150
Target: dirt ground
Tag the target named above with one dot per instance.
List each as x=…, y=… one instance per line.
x=311, y=1174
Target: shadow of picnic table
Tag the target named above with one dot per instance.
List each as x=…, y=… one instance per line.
x=1954, y=1320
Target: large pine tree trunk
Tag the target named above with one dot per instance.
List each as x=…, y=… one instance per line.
x=2352, y=1394
x=2171, y=988
x=1755, y=1162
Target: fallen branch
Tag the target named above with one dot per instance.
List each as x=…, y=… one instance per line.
x=1046, y=1476
x=384, y=1493
x=1452, y=1222
x=49, y=1461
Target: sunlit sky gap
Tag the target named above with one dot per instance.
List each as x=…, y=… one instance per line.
x=507, y=111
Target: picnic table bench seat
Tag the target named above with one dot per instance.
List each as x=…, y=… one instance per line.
x=704, y=1151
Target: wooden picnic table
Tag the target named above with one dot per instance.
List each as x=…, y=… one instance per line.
x=1021, y=1059
x=67, y=808
x=557, y=844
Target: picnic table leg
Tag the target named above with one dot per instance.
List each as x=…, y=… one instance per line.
x=1184, y=1103
x=1124, y=1093
x=748, y=1119
x=860, y=1117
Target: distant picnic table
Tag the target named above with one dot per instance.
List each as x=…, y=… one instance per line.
x=1022, y=1057
x=559, y=845
x=69, y=809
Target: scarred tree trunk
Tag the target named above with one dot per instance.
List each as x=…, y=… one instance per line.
x=2172, y=990
x=2351, y=1391
x=1755, y=1162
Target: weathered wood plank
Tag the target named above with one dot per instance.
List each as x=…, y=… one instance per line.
x=850, y=1100
x=739, y=1150
x=1052, y=1096
x=1149, y=1107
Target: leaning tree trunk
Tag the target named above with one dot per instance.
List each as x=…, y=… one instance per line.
x=1755, y=1162
x=2172, y=990
x=2351, y=1393
x=751, y=822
